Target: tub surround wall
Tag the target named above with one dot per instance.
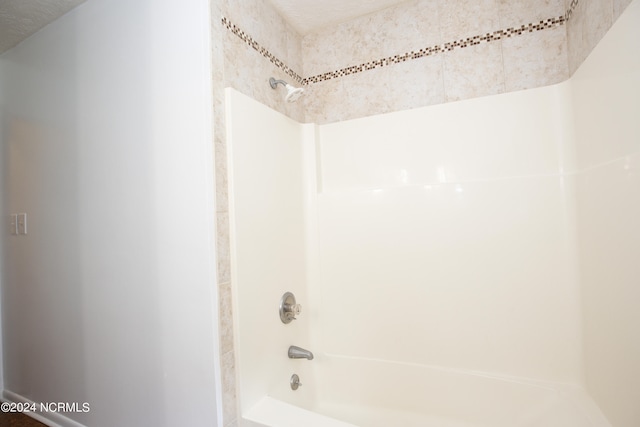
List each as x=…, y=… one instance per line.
x=467, y=259
x=606, y=95
x=453, y=245
x=268, y=206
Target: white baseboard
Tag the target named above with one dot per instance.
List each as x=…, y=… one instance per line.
x=52, y=419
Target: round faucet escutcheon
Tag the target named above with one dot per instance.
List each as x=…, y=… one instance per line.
x=289, y=309
x=295, y=382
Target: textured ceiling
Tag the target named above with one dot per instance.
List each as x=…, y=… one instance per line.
x=21, y=18
x=309, y=15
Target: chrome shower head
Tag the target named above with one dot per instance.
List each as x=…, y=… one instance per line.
x=293, y=93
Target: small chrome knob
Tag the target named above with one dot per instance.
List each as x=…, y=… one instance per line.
x=295, y=382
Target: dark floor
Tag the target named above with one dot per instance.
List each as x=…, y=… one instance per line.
x=16, y=419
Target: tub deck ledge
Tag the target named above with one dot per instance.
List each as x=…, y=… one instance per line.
x=270, y=412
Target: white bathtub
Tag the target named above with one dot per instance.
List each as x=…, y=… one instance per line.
x=372, y=393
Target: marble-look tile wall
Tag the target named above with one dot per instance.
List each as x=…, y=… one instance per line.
x=225, y=315
x=419, y=53
x=589, y=22
x=513, y=45
x=247, y=68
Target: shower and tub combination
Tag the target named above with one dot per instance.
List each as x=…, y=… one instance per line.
x=436, y=268
x=400, y=332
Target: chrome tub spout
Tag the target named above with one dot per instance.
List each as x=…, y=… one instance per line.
x=299, y=353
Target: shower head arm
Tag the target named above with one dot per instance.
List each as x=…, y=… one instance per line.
x=274, y=83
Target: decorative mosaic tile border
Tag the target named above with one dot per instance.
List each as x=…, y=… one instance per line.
x=261, y=50
x=445, y=47
x=396, y=59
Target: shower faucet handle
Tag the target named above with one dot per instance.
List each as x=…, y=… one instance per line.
x=289, y=309
x=296, y=309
